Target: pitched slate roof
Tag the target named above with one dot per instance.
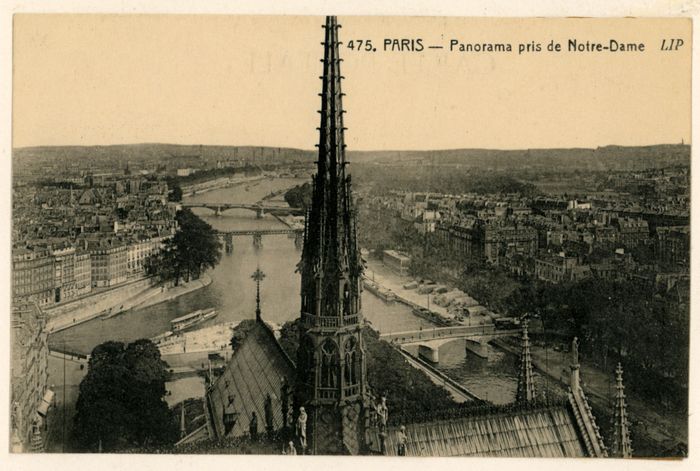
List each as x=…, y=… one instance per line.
x=255, y=370
x=549, y=431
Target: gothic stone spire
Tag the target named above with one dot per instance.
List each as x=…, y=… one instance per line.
x=621, y=445
x=331, y=371
x=526, y=382
x=330, y=266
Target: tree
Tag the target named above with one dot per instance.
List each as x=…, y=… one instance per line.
x=120, y=403
x=122, y=213
x=175, y=193
x=194, y=248
x=299, y=196
x=196, y=244
x=163, y=263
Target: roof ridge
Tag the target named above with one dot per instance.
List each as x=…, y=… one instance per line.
x=479, y=410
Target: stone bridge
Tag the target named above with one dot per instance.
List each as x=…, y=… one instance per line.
x=258, y=208
x=227, y=236
x=430, y=340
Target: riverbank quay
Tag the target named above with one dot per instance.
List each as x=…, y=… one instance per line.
x=120, y=299
x=654, y=429
x=173, y=292
x=383, y=277
x=458, y=392
x=87, y=307
x=218, y=183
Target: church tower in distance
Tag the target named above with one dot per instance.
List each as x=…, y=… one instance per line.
x=331, y=371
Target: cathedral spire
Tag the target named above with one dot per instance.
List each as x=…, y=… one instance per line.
x=330, y=265
x=621, y=445
x=526, y=382
x=331, y=370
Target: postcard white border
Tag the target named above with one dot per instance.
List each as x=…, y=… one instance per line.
x=595, y=8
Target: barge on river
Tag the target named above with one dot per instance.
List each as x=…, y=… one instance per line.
x=182, y=323
x=433, y=317
x=384, y=294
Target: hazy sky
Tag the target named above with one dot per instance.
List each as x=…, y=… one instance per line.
x=237, y=80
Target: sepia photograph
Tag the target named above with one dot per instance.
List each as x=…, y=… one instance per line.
x=402, y=236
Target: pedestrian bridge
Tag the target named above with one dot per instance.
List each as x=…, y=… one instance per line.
x=430, y=340
x=258, y=208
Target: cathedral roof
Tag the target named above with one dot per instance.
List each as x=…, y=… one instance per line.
x=527, y=428
x=529, y=431
x=257, y=368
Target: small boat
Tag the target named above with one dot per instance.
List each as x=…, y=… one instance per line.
x=185, y=322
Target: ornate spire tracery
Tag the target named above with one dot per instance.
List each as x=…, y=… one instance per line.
x=331, y=369
x=621, y=445
x=330, y=265
x=526, y=382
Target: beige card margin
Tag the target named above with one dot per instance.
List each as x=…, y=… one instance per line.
x=385, y=7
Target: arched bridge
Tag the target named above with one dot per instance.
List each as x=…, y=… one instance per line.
x=227, y=236
x=258, y=208
x=262, y=232
x=430, y=340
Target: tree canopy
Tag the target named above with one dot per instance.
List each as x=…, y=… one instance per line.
x=194, y=248
x=299, y=196
x=120, y=404
x=628, y=321
x=175, y=192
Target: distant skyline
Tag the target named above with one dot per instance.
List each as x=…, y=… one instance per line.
x=252, y=81
x=348, y=150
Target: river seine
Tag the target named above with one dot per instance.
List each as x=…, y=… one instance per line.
x=232, y=294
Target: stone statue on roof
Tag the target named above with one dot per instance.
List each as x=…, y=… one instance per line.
x=401, y=440
x=301, y=428
x=269, y=418
x=382, y=413
x=574, y=351
x=284, y=390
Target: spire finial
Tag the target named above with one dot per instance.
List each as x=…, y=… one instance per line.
x=258, y=276
x=621, y=443
x=526, y=382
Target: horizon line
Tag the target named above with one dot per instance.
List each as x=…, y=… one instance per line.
x=682, y=143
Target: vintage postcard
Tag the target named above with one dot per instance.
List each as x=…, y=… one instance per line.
x=348, y=235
